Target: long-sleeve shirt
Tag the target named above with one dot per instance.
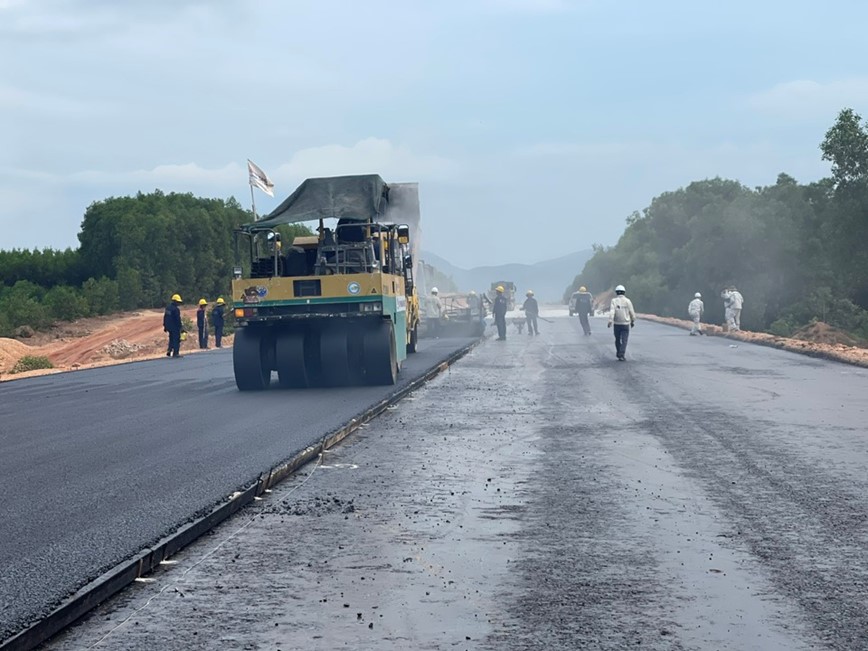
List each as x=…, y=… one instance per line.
x=531, y=306
x=735, y=299
x=696, y=307
x=621, y=312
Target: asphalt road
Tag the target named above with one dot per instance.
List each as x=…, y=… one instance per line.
x=96, y=465
x=702, y=495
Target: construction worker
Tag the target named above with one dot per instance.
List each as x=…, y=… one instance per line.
x=172, y=325
x=531, y=312
x=585, y=308
x=435, y=310
x=736, y=300
x=202, y=323
x=499, y=309
x=218, y=319
x=695, y=310
x=623, y=317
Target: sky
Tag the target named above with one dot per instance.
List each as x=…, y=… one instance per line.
x=533, y=127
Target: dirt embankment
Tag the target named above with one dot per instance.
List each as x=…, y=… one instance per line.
x=818, y=340
x=97, y=341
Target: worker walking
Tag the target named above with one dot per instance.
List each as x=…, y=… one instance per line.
x=172, y=325
x=695, y=310
x=435, y=310
x=736, y=300
x=531, y=312
x=623, y=317
x=585, y=309
x=218, y=318
x=202, y=323
x=499, y=309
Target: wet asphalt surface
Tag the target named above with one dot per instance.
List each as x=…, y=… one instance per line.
x=541, y=495
x=97, y=465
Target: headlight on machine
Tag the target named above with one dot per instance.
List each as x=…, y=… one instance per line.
x=371, y=307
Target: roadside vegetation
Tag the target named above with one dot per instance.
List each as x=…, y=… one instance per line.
x=135, y=252
x=796, y=252
x=31, y=363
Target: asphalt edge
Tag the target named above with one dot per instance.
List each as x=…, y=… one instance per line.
x=122, y=575
x=778, y=343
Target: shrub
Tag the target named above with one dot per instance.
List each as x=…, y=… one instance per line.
x=31, y=363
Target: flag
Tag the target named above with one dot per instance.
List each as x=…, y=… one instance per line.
x=259, y=179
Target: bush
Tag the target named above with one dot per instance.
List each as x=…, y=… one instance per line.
x=31, y=363
x=101, y=295
x=65, y=303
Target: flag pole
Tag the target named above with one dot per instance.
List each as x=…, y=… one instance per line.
x=253, y=202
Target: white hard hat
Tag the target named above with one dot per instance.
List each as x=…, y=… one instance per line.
x=434, y=290
x=620, y=288
x=697, y=295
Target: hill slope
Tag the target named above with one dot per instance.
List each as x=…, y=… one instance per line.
x=547, y=279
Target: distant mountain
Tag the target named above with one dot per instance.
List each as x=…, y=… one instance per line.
x=547, y=279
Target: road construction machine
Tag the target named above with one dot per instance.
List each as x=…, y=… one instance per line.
x=332, y=309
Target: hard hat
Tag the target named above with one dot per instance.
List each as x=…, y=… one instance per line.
x=529, y=292
x=583, y=288
x=499, y=288
x=434, y=290
x=202, y=301
x=620, y=288
x=472, y=293
x=176, y=298
x=220, y=301
x=697, y=295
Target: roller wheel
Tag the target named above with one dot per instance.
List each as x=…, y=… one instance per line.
x=413, y=339
x=335, y=355
x=380, y=356
x=250, y=361
x=291, y=367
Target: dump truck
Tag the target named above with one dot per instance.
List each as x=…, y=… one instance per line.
x=508, y=292
x=333, y=309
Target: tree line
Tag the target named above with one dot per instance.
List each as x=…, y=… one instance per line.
x=134, y=252
x=795, y=251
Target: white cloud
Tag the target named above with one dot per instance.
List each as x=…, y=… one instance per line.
x=804, y=99
x=391, y=161
x=19, y=99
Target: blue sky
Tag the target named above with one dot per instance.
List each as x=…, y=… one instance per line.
x=534, y=127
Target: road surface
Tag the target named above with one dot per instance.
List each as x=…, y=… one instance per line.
x=97, y=465
x=702, y=495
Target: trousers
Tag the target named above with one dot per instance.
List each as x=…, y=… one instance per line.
x=622, y=334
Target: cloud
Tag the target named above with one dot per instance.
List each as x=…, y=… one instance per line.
x=807, y=100
x=391, y=161
x=21, y=100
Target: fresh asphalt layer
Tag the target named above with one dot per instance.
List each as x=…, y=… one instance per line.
x=703, y=495
x=97, y=465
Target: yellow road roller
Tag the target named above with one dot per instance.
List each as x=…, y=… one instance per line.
x=337, y=308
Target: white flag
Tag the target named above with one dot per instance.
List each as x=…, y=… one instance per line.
x=259, y=179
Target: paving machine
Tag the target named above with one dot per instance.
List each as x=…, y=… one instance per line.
x=337, y=308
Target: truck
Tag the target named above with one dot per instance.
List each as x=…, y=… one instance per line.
x=335, y=308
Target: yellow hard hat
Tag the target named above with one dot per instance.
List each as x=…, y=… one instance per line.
x=176, y=298
x=220, y=301
x=499, y=288
x=583, y=288
x=202, y=301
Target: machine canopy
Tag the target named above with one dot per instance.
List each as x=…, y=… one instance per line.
x=359, y=198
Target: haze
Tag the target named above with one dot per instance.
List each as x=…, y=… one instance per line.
x=533, y=127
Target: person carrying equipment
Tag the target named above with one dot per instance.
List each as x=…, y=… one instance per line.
x=531, y=312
